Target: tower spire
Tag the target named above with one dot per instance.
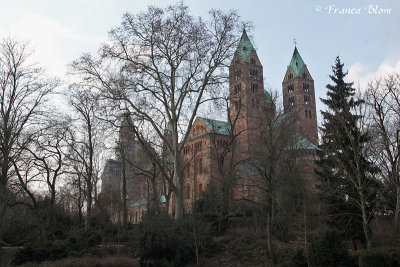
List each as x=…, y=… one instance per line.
x=245, y=47
x=296, y=63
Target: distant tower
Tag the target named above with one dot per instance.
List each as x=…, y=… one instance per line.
x=127, y=138
x=168, y=138
x=247, y=97
x=299, y=97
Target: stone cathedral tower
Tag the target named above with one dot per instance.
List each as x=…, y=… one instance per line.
x=249, y=103
x=299, y=97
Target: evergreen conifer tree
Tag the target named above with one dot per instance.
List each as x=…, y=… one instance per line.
x=346, y=175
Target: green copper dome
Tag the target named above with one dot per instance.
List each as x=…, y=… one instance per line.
x=297, y=62
x=245, y=47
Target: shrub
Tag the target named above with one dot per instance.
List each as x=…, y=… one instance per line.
x=37, y=253
x=328, y=249
x=298, y=259
x=162, y=241
x=375, y=258
x=77, y=241
x=394, y=253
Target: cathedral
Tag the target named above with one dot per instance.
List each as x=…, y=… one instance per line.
x=216, y=150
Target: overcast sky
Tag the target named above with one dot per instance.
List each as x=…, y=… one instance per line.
x=367, y=42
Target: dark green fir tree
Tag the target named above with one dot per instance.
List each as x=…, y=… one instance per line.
x=346, y=176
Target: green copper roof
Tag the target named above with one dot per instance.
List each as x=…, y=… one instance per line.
x=267, y=97
x=245, y=47
x=297, y=62
x=218, y=127
x=143, y=201
x=302, y=143
x=168, y=128
x=126, y=120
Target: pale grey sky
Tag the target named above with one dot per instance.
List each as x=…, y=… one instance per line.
x=367, y=42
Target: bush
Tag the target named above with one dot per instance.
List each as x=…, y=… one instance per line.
x=298, y=259
x=376, y=258
x=328, y=249
x=110, y=261
x=74, y=245
x=38, y=253
x=162, y=241
x=394, y=253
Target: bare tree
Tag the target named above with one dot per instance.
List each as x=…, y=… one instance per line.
x=269, y=167
x=47, y=151
x=223, y=151
x=383, y=99
x=86, y=143
x=161, y=65
x=41, y=163
x=24, y=88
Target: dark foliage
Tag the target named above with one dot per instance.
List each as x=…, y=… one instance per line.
x=162, y=241
x=43, y=224
x=376, y=258
x=210, y=209
x=347, y=185
x=297, y=259
x=328, y=249
x=72, y=245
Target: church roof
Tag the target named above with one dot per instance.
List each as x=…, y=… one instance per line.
x=216, y=126
x=143, y=201
x=297, y=62
x=302, y=143
x=267, y=97
x=245, y=47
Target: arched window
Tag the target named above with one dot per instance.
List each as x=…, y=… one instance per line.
x=290, y=88
x=307, y=99
x=291, y=101
x=237, y=89
x=237, y=74
x=200, y=188
x=136, y=217
x=254, y=87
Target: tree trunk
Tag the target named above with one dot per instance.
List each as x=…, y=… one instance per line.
x=2, y=213
x=365, y=222
x=3, y=193
x=179, y=208
x=80, y=200
x=354, y=242
x=88, y=205
x=397, y=212
x=124, y=206
x=269, y=243
x=53, y=195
